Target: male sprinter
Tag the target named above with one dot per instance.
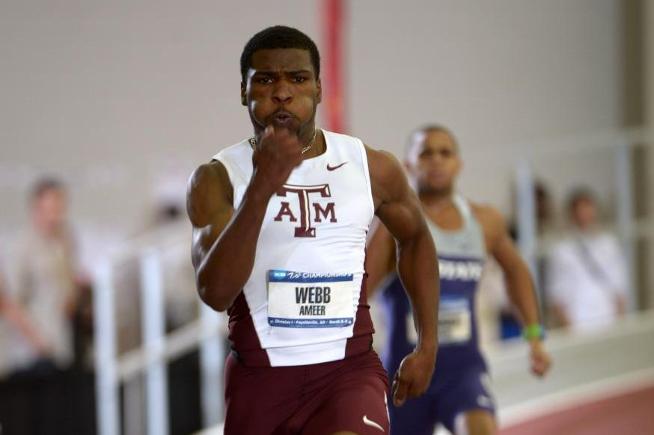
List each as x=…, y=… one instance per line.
x=465, y=233
x=279, y=232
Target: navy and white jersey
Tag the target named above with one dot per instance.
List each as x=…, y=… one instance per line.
x=304, y=302
x=461, y=257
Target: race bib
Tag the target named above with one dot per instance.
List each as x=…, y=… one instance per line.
x=454, y=321
x=310, y=300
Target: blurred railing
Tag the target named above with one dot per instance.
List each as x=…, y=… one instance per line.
x=158, y=348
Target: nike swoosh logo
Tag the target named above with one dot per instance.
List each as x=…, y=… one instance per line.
x=333, y=168
x=371, y=423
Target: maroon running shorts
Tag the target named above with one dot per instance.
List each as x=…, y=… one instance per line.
x=317, y=399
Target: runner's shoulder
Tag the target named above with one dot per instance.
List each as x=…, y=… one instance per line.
x=488, y=216
x=208, y=190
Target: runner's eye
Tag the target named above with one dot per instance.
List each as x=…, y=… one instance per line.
x=264, y=80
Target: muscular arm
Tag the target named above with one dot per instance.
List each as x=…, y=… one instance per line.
x=224, y=239
x=520, y=285
x=399, y=210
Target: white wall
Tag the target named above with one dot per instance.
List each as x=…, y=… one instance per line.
x=115, y=95
x=500, y=74
x=111, y=94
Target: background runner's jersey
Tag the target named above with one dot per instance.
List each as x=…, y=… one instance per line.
x=461, y=256
x=316, y=225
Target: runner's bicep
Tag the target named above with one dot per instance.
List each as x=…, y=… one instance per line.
x=209, y=206
x=399, y=208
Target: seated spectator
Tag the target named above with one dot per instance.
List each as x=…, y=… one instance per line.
x=587, y=280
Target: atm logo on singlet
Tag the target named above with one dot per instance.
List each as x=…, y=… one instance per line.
x=302, y=209
x=460, y=270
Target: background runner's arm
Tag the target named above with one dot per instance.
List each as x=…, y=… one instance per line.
x=380, y=257
x=399, y=209
x=519, y=283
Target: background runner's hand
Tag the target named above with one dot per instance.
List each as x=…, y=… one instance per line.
x=277, y=153
x=540, y=359
x=414, y=375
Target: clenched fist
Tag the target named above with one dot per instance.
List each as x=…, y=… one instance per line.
x=277, y=153
x=414, y=375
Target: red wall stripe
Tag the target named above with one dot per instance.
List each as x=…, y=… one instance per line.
x=333, y=66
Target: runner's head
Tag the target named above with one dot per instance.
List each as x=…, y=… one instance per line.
x=280, y=79
x=433, y=159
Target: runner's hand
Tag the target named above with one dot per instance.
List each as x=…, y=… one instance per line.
x=278, y=152
x=413, y=377
x=539, y=358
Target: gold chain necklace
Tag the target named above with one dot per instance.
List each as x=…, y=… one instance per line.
x=253, y=141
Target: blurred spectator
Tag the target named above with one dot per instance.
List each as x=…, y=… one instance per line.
x=46, y=281
x=39, y=307
x=587, y=280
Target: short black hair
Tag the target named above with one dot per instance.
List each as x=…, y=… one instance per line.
x=279, y=37
x=438, y=128
x=44, y=185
